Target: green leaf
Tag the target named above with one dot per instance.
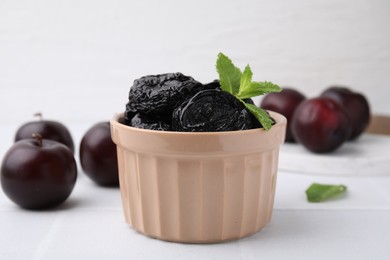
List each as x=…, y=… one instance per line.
x=246, y=79
x=229, y=75
x=320, y=192
x=261, y=115
x=258, y=88
x=240, y=85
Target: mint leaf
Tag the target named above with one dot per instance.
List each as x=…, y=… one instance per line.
x=229, y=75
x=257, y=89
x=260, y=115
x=240, y=85
x=246, y=80
x=320, y=192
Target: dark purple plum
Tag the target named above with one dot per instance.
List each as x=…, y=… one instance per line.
x=285, y=103
x=355, y=104
x=48, y=129
x=98, y=155
x=38, y=173
x=320, y=124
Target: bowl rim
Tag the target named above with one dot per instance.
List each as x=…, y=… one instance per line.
x=279, y=118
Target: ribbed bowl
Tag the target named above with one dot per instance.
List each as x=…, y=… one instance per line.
x=197, y=187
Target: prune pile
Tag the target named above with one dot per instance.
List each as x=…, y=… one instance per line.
x=175, y=102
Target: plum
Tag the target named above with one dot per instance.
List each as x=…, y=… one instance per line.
x=285, y=103
x=38, y=173
x=355, y=104
x=48, y=129
x=98, y=155
x=320, y=124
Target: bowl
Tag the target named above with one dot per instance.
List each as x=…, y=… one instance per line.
x=197, y=187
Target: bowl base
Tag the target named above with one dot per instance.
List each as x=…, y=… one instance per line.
x=192, y=241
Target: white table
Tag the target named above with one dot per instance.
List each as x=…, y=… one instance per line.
x=90, y=224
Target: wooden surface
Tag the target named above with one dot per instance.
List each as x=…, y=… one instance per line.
x=380, y=124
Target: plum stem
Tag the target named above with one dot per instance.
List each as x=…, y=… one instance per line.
x=39, y=115
x=37, y=137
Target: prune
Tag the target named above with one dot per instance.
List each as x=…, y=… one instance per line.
x=147, y=122
x=212, y=85
x=129, y=114
x=160, y=94
x=210, y=111
x=215, y=85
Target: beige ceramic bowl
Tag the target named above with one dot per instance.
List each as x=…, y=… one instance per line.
x=197, y=187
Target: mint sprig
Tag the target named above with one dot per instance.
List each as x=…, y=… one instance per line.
x=229, y=75
x=320, y=192
x=240, y=85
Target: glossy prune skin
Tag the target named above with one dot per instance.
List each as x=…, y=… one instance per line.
x=151, y=123
x=211, y=111
x=160, y=94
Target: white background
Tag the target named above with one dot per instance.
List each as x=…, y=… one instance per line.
x=76, y=60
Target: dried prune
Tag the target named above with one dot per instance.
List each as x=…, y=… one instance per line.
x=210, y=111
x=160, y=94
x=147, y=122
x=215, y=85
x=212, y=85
